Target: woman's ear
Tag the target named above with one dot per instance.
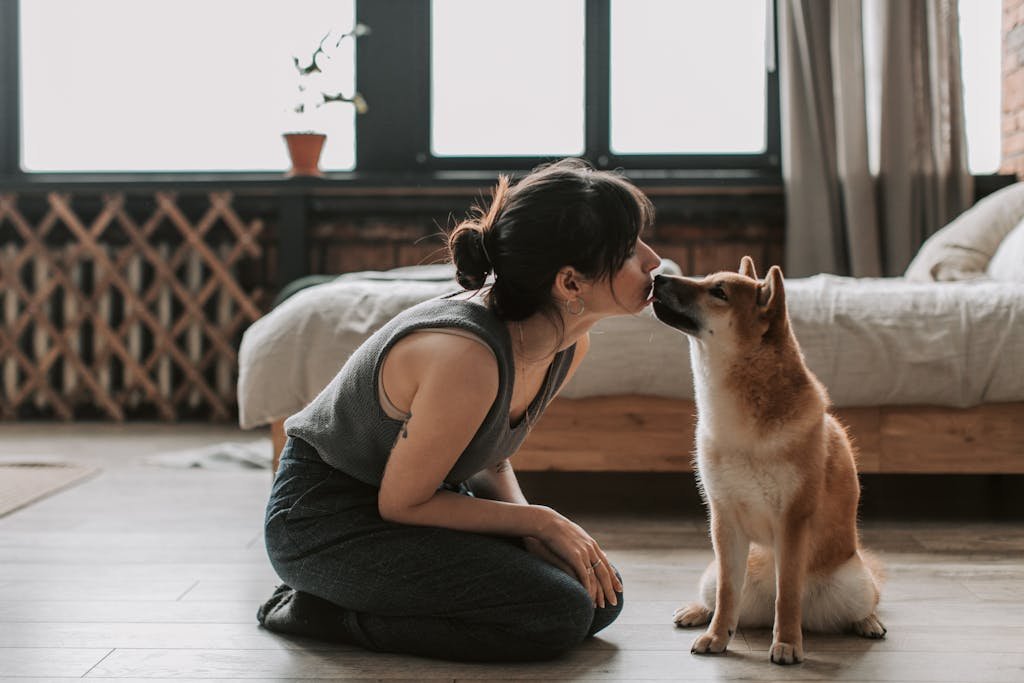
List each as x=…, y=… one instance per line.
x=568, y=284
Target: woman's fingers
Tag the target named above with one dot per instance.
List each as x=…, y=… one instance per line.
x=593, y=586
x=616, y=581
x=604, y=575
x=587, y=577
x=587, y=561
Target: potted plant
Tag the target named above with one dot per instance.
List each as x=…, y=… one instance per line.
x=319, y=84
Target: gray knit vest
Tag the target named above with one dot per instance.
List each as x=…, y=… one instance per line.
x=349, y=429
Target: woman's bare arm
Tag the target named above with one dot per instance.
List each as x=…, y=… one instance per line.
x=498, y=482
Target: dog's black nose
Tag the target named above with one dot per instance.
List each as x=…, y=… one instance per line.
x=658, y=288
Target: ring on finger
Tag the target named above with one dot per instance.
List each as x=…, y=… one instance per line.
x=593, y=565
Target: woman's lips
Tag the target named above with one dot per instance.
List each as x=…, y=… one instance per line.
x=649, y=298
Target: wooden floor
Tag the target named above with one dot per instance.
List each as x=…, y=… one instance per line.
x=149, y=573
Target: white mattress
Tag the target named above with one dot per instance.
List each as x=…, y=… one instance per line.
x=870, y=341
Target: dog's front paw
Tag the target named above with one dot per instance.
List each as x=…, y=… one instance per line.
x=869, y=627
x=710, y=643
x=694, y=614
x=786, y=653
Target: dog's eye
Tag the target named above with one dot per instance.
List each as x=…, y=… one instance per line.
x=718, y=292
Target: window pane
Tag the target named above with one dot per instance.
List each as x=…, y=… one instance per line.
x=507, y=78
x=176, y=85
x=688, y=76
x=981, y=45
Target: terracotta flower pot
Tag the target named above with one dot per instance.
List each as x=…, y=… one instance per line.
x=304, y=150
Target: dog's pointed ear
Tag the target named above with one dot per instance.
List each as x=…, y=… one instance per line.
x=771, y=295
x=747, y=267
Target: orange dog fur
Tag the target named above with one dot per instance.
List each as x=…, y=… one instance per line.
x=776, y=470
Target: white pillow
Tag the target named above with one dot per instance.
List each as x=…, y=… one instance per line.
x=1008, y=261
x=962, y=249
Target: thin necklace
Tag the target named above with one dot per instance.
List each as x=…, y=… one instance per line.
x=522, y=346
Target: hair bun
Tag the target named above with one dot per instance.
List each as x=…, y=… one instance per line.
x=472, y=265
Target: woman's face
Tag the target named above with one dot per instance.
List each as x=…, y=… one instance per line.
x=629, y=289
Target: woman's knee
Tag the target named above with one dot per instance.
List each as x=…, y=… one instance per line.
x=603, y=616
x=560, y=620
x=578, y=618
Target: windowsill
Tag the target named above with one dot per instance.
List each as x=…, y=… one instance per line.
x=438, y=184
x=669, y=181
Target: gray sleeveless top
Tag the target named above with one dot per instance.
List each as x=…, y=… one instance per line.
x=350, y=430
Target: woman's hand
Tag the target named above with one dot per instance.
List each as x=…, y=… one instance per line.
x=579, y=555
x=536, y=547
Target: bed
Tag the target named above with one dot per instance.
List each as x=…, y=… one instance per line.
x=927, y=370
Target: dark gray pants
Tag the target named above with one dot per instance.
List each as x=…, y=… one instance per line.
x=418, y=590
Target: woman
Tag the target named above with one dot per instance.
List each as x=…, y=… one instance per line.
x=395, y=519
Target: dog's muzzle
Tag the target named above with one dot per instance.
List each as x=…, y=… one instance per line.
x=673, y=304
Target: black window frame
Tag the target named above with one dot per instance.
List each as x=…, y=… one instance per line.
x=393, y=137
x=10, y=93
x=393, y=72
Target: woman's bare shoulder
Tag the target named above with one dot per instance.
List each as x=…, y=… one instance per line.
x=462, y=361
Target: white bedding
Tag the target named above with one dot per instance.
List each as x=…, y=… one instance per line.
x=870, y=341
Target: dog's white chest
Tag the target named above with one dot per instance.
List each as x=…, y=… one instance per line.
x=752, y=489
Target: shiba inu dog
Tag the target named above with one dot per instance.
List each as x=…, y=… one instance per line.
x=776, y=470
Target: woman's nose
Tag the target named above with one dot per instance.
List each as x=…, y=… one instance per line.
x=653, y=260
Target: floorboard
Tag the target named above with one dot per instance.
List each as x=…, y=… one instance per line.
x=150, y=573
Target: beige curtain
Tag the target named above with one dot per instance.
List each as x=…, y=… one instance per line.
x=843, y=216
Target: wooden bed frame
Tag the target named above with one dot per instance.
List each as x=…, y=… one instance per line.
x=649, y=434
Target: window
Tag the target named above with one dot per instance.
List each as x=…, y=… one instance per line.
x=981, y=53
x=188, y=85
x=460, y=85
x=981, y=74
x=657, y=83
x=490, y=95
x=688, y=77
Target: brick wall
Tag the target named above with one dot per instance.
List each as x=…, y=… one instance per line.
x=1013, y=87
x=703, y=232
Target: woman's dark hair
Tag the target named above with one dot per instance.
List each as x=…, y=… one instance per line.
x=561, y=214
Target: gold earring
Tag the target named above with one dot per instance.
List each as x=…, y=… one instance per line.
x=575, y=311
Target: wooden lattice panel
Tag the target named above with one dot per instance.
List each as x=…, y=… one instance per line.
x=121, y=312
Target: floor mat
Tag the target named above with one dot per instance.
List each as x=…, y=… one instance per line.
x=25, y=482
x=229, y=455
